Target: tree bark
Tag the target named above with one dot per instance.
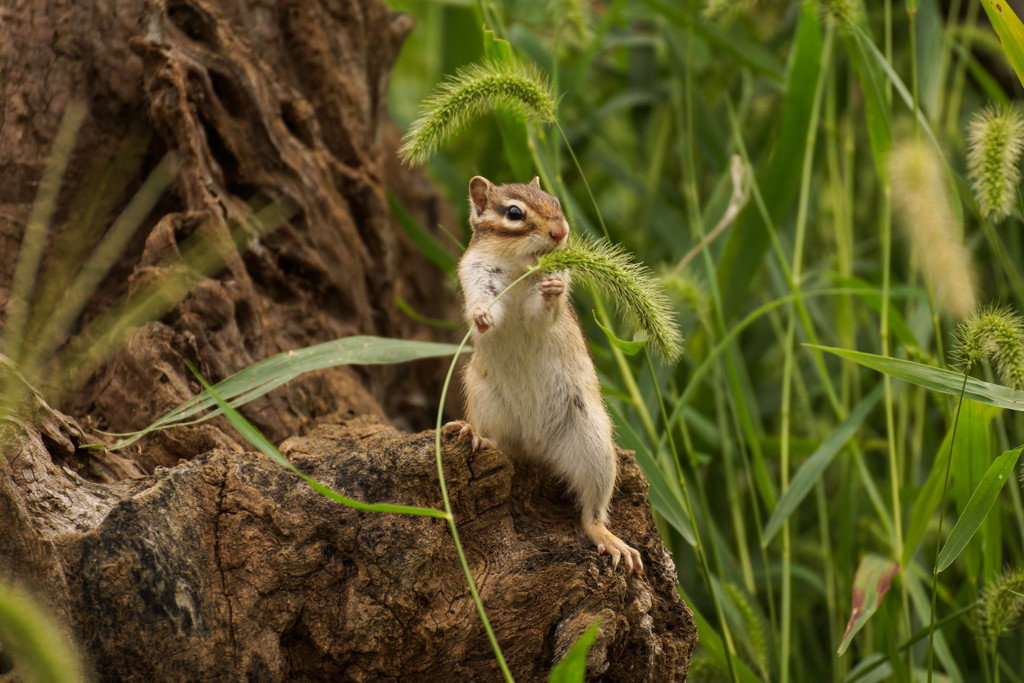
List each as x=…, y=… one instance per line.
x=191, y=558
x=228, y=567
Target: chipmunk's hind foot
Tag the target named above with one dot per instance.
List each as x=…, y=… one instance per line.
x=609, y=544
x=462, y=429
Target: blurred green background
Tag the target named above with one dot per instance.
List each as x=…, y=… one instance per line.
x=855, y=225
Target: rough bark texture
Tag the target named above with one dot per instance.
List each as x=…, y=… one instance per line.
x=228, y=567
x=189, y=558
x=259, y=101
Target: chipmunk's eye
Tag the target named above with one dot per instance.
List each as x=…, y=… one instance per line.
x=515, y=213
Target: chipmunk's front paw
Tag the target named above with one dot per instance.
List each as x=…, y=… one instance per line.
x=462, y=429
x=551, y=287
x=482, y=318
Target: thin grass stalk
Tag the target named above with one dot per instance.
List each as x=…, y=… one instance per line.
x=95, y=268
x=1010, y=266
x=499, y=655
x=700, y=547
x=938, y=537
x=805, y=318
x=945, y=56
x=960, y=73
x=649, y=425
x=27, y=268
x=732, y=495
x=912, y=21
x=723, y=345
x=786, y=552
x=883, y=332
x=807, y=164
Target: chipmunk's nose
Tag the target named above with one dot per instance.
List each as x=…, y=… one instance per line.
x=558, y=233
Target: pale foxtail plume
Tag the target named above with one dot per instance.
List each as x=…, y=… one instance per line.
x=472, y=91
x=923, y=206
x=996, y=333
x=995, y=139
x=609, y=268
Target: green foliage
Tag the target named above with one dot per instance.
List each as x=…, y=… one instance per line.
x=266, y=375
x=799, y=459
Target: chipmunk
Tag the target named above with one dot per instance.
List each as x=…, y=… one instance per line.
x=531, y=386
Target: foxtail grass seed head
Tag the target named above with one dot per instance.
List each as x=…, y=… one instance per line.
x=995, y=138
x=922, y=204
x=573, y=17
x=996, y=333
x=1001, y=607
x=686, y=288
x=610, y=268
x=471, y=92
x=726, y=9
x=846, y=13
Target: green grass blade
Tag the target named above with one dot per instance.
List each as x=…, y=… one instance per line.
x=266, y=375
x=712, y=642
x=870, y=584
x=514, y=136
x=811, y=471
x=926, y=502
x=573, y=667
x=428, y=245
x=984, y=497
x=32, y=638
x=664, y=494
x=936, y=379
x=779, y=180
x=1010, y=31
x=972, y=453
x=256, y=438
x=876, y=107
x=749, y=54
x=630, y=348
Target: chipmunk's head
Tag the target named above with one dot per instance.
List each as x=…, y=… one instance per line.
x=522, y=219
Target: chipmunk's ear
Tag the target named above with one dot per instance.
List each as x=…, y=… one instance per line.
x=536, y=181
x=479, y=193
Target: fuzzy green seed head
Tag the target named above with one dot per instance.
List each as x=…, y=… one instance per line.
x=995, y=138
x=844, y=12
x=573, y=17
x=686, y=288
x=1001, y=607
x=996, y=333
x=471, y=92
x=609, y=268
x=726, y=9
